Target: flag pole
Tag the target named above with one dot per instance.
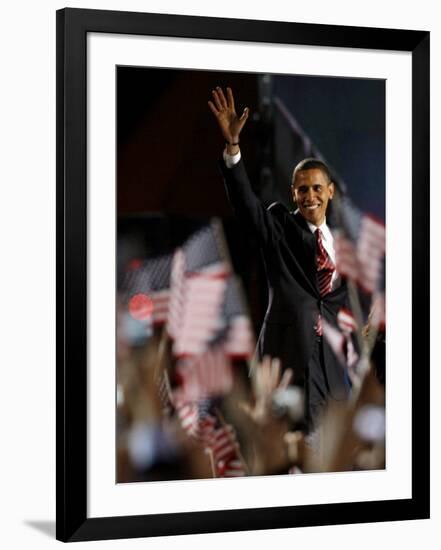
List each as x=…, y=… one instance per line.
x=160, y=373
x=210, y=454
x=160, y=356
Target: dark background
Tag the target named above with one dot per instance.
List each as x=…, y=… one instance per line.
x=169, y=146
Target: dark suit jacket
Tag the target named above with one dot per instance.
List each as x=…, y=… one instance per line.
x=288, y=248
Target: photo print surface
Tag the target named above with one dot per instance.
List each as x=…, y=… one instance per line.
x=250, y=274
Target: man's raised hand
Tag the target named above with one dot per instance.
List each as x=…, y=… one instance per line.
x=225, y=112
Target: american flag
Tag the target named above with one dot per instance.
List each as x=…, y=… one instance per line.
x=339, y=338
x=146, y=285
x=205, y=375
x=196, y=419
x=177, y=292
x=218, y=439
x=346, y=320
x=360, y=248
x=225, y=449
x=233, y=468
x=206, y=304
x=336, y=340
x=200, y=270
x=206, y=250
x=199, y=318
x=207, y=308
x=145, y=289
x=223, y=443
x=239, y=336
x=195, y=292
x=240, y=343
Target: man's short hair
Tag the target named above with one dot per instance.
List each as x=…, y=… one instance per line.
x=309, y=164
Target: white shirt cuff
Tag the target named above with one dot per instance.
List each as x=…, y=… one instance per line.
x=231, y=160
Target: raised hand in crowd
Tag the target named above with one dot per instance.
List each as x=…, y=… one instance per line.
x=266, y=379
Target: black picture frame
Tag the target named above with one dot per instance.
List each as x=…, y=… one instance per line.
x=72, y=523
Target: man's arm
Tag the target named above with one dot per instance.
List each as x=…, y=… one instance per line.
x=240, y=193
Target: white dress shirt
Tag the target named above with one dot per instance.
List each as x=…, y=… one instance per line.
x=327, y=237
x=231, y=160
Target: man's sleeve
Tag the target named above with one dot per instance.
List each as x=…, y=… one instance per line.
x=231, y=160
x=247, y=207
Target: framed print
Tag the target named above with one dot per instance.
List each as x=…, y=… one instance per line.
x=222, y=358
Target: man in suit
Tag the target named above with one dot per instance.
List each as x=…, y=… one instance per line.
x=305, y=291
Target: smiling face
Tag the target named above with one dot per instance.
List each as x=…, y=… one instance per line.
x=312, y=190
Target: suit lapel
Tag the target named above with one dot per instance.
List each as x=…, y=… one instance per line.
x=309, y=251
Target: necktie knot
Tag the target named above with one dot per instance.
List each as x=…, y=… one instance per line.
x=318, y=234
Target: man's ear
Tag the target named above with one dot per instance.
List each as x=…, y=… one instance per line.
x=293, y=194
x=331, y=190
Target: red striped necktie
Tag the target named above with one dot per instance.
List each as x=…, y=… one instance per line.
x=325, y=270
x=325, y=267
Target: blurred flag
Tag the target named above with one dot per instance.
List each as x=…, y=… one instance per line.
x=336, y=340
x=217, y=438
x=199, y=318
x=223, y=443
x=195, y=293
x=198, y=281
x=206, y=304
x=206, y=251
x=340, y=339
x=346, y=320
x=232, y=468
x=201, y=376
x=347, y=324
x=196, y=421
x=177, y=292
x=146, y=285
x=225, y=449
x=360, y=247
x=240, y=342
x=145, y=289
x=238, y=335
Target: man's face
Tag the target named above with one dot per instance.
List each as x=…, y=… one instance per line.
x=312, y=191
